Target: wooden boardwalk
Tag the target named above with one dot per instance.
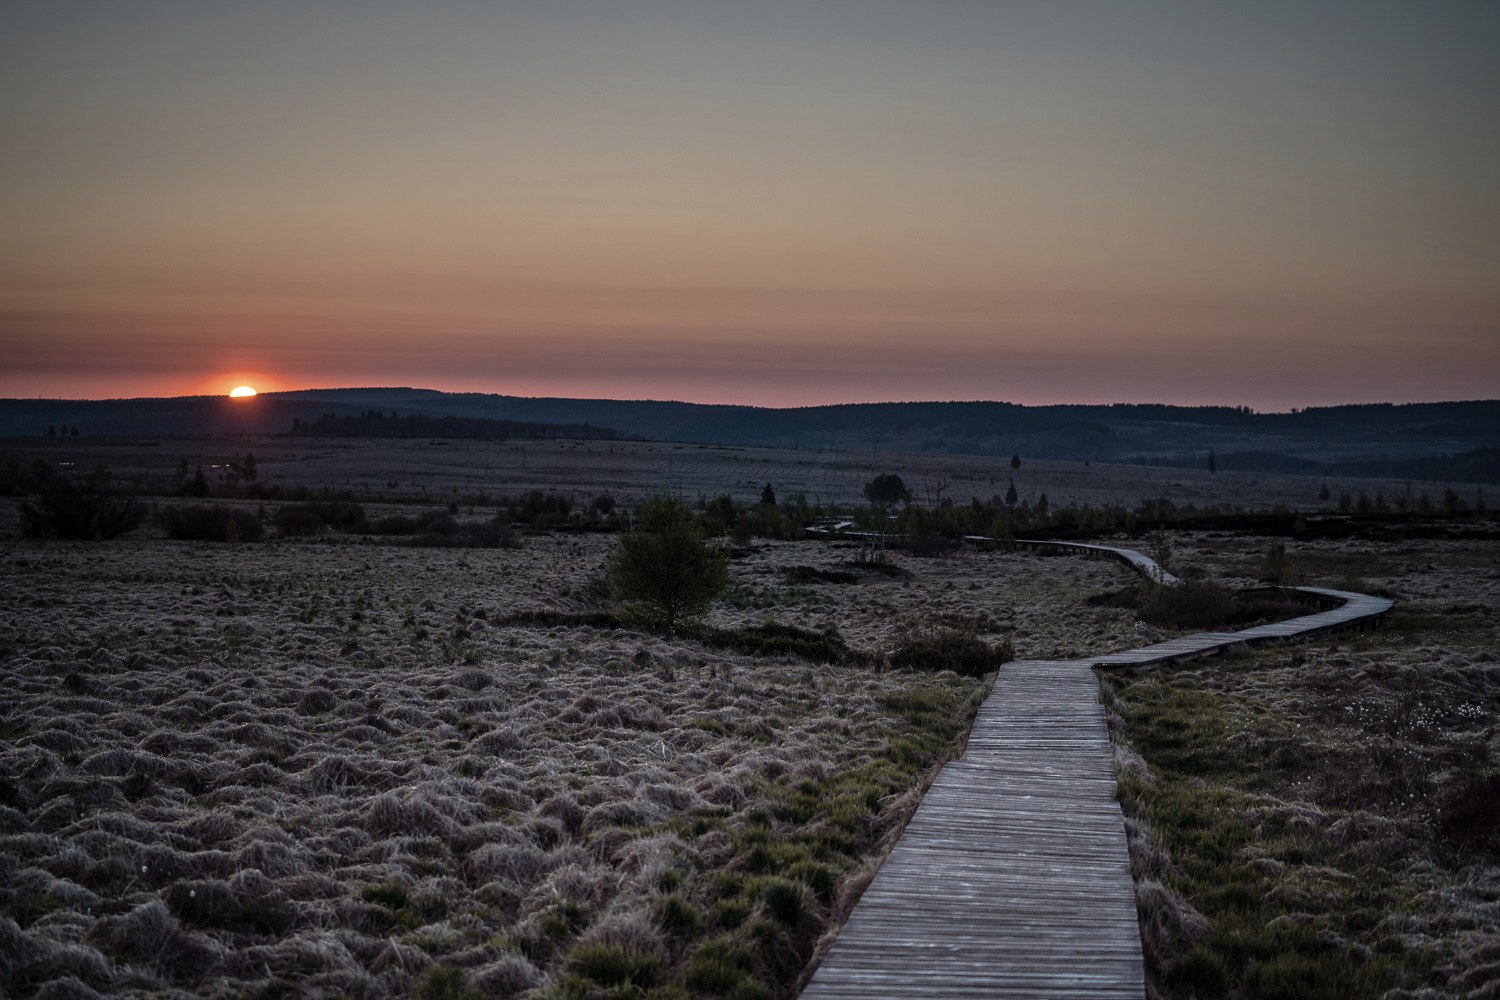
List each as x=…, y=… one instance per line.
x=1013, y=877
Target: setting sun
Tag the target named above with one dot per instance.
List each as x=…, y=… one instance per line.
x=241, y=392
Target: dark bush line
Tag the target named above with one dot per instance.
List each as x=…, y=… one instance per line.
x=84, y=509
x=1202, y=604
x=206, y=523
x=775, y=639
x=559, y=619
x=814, y=574
x=938, y=647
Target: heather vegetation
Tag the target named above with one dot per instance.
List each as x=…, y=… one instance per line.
x=1320, y=820
x=317, y=765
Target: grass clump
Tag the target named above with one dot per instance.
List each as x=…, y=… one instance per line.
x=444, y=982
x=608, y=971
x=725, y=967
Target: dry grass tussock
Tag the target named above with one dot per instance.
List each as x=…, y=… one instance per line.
x=318, y=768
x=1320, y=819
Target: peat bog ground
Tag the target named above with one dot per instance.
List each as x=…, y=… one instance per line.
x=1323, y=819
x=301, y=766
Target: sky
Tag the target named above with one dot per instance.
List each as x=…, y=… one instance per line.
x=1272, y=204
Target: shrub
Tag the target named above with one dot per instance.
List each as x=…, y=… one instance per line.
x=1275, y=566
x=1469, y=818
x=665, y=571
x=775, y=639
x=930, y=545
x=205, y=523
x=1191, y=604
x=946, y=647
x=887, y=489
x=298, y=523
x=340, y=515
x=539, y=510
x=86, y=509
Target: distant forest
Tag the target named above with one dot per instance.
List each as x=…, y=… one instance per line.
x=1456, y=441
x=375, y=424
x=1481, y=465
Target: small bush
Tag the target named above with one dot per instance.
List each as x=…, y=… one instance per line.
x=1469, y=818
x=930, y=546
x=206, y=523
x=298, y=523
x=775, y=639
x=1191, y=604
x=340, y=515
x=665, y=572
x=85, y=509
x=1276, y=565
x=813, y=574
x=934, y=647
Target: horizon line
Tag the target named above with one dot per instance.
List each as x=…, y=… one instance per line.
x=249, y=400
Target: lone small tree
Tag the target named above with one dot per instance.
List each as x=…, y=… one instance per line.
x=887, y=490
x=665, y=571
x=1015, y=462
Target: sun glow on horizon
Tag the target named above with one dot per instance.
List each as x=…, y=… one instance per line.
x=241, y=392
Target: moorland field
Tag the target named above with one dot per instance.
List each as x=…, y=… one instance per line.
x=340, y=763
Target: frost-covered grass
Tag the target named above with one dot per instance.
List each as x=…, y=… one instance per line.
x=1321, y=819
x=327, y=767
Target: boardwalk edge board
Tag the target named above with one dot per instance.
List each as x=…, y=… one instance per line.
x=1013, y=877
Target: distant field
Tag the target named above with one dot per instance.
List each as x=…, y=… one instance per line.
x=462, y=469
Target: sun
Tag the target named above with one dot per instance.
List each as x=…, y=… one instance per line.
x=241, y=392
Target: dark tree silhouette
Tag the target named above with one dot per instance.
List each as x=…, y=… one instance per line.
x=768, y=496
x=1015, y=461
x=887, y=489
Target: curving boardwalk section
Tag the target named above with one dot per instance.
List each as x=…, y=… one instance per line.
x=1013, y=877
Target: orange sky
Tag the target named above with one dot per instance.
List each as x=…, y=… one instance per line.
x=772, y=203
